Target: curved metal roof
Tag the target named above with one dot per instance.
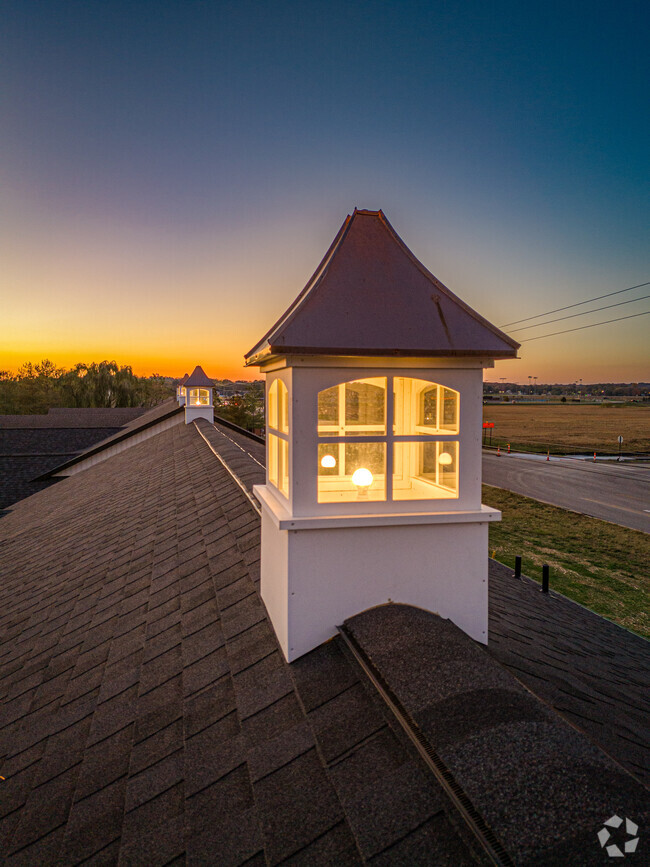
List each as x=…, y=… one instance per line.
x=371, y=296
x=198, y=377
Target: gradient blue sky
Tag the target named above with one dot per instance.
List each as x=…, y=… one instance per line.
x=172, y=172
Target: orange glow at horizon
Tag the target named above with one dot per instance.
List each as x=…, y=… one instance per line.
x=85, y=292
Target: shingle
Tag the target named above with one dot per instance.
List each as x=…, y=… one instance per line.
x=262, y=685
x=43, y=850
x=160, y=669
x=46, y=809
x=206, y=707
x=64, y=750
x=154, y=847
x=155, y=813
x=213, y=753
x=113, y=715
x=231, y=799
x=154, y=779
x=297, y=805
x=391, y=804
x=322, y=674
x=251, y=646
x=94, y=823
x=269, y=722
x=345, y=721
x=156, y=747
x=105, y=762
x=273, y=753
x=158, y=708
x=205, y=671
x=433, y=842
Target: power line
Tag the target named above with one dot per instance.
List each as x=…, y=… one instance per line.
x=569, y=306
x=582, y=327
x=584, y=313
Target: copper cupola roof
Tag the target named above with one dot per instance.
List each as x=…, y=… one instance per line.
x=371, y=296
x=198, y=378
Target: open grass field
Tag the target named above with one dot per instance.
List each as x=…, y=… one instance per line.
x=600, y=565
x=571, y=427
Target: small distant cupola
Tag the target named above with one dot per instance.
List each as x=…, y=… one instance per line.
x=180, y=390
x=374, y=398
x=198, y=400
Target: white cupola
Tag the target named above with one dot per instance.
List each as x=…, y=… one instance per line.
x=374, y=386
x=198, y=396
x=180, y=390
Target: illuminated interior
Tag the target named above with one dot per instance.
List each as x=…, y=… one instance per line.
x=199, y=397
x=277, y=421
x=421, y=439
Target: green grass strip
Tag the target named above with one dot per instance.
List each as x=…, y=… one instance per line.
x=600, y=565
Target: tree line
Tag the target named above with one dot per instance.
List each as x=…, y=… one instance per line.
x=37, y=387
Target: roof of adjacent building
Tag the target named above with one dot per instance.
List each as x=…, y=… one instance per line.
x=198, y=378
x=148, y=715
x=371, y=296
x=73, y=417
x=148, y=421
x=31, y=445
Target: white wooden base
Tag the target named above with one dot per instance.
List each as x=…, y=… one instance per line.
x=192, y=412
x=316, y=572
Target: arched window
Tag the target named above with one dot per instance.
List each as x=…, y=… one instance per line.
x=277, y=421
x=387, y=438
x=199, y=397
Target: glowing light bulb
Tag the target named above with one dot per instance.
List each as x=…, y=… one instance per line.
x=328, y=461
x=445, y=459
x=362, y=478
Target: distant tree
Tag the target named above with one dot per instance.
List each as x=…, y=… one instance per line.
x=38, y=387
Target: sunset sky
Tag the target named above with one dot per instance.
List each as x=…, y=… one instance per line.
x=173, y=172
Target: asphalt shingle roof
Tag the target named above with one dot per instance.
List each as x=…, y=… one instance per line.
x=147, y=714
x=32, y=445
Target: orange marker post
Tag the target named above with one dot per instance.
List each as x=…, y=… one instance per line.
x=548, y=455
x=508, y=448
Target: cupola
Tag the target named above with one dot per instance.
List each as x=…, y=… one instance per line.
x=374, y=410
x=180, y=390
x=198, y=400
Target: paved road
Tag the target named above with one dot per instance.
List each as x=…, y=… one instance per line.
x=614, y=492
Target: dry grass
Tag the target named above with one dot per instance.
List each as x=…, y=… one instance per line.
x=600, y=565
x=570, y=427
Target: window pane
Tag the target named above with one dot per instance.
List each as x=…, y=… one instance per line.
x=328, y=407
x=365, y=407
x=355, y=408
x=273, y=459
x=428, y=407
x=283, y=467
x=423, y=407
x=358, y=473
x=272, y=408
x=199, y=397
x=449, y=411
x=425, y=471
x=279, y=463
x=283, y=407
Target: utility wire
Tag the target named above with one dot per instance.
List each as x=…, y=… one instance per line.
x=569, y=306
x=595, y=324
x=584, y=313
